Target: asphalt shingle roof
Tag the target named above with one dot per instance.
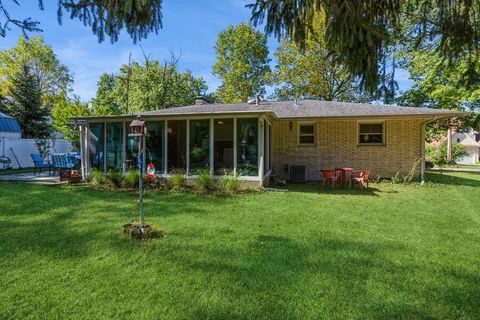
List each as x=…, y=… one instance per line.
x=305, y=109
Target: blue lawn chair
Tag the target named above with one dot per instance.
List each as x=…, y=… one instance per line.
x=40, y=163
x=60, y=161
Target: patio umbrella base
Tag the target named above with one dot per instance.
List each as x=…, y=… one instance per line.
x=139, y=232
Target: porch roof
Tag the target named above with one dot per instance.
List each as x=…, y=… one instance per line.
x=304, y=109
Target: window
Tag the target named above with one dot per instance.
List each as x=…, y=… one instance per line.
x=199, y=145
x=306, y=133
x=177, y=146
x=115, y=145
x=223, y=146
x=96, y=136
x=247, y=146
x=371, y=133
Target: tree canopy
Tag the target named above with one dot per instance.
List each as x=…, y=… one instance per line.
x=312, y=73
x=54, y=78
x=241, y=63
x=106, y=101
x=107, y=18
x=62, y=113
x=359, y=33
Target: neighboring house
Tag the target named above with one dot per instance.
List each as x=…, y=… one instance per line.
x=18, y=150
x=259, y=139
x=471, y=141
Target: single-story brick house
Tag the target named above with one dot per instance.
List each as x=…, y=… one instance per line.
x=261, y=139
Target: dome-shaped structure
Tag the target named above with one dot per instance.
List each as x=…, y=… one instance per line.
x=9, y=127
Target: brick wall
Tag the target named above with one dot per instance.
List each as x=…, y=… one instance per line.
x=336, y=145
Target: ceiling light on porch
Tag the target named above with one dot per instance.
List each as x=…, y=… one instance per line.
x=220, y=122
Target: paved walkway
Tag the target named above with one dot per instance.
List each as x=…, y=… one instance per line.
x=42, y=178
x=456, y=169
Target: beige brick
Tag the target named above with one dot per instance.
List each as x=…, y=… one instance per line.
x=336, y=146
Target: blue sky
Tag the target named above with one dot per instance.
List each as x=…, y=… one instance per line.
x=189, y=29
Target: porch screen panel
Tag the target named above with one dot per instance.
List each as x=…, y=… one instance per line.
x=154, y=142
x=199, y=145
x=247, y=144
x=131, y=150
x=96, y=143
x=177, y=146
x=223, y=146
x=115, y=145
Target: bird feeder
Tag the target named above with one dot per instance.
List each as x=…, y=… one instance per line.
x=138, y=128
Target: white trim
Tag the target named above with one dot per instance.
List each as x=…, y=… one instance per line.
x=165, y=147
x=187, y=154
x=210, y=147
x=384, y=133
x=261, y=147
x=314, y=134
x=235, y=145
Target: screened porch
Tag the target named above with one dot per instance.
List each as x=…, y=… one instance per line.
x=222, y=145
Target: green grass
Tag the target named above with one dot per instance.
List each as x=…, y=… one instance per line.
x=392, y=251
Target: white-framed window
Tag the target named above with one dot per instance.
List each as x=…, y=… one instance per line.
x=306, y=133
x=371, y=133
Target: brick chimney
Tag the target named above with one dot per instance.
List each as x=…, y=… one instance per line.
x=200, y=100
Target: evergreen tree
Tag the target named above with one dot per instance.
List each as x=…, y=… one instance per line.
x=106, y=18
x=24, y=103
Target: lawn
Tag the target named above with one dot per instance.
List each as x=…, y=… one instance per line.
x=392, y=251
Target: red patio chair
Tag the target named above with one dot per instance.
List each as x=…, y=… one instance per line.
x=359, y=177
x=331, y=177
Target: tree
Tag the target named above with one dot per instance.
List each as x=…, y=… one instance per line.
x=438, y=85
x=24, y=103
x=54, y=78
x=106, y=18
x=151, y=86
x=63, y=112
x=359, y=32
x=106, y=100
x=312, y=73
x=241, y=63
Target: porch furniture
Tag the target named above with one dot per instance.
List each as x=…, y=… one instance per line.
x=6, y=162
x=40, y=163
x=359, y=177
x=60, y=161
x=331, y=177
x=345, y=171
x=74, y=157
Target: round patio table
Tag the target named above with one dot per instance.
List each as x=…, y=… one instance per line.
x=345, y=171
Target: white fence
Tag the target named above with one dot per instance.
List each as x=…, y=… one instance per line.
x=22, y=148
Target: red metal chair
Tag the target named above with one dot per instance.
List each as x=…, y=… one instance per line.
x=331, y=177
x=359, y=177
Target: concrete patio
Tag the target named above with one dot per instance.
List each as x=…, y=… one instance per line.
x=39, y=178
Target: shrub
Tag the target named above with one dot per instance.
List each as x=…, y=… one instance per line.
x=130, y=179
x=439, y=155
x=96, y=178
x=114, y=178
x=178, y=181
x=411, y=174
x=231, y=183
x=396, y=178
x=204, y=181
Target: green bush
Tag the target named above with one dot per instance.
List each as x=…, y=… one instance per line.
x=96, y=178
x=204, y=181
x=178, y=181
x=231, y=183
x=130, y=179
x=439, y=155
x=396, y=178
x=114, y=178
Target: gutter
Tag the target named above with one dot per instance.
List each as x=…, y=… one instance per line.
x=422, y=151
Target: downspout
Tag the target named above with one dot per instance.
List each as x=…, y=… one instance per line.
x=422, y=150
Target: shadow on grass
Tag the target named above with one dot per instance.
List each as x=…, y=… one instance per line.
x=282, y=278
x=313, y=187
x=454, y=178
